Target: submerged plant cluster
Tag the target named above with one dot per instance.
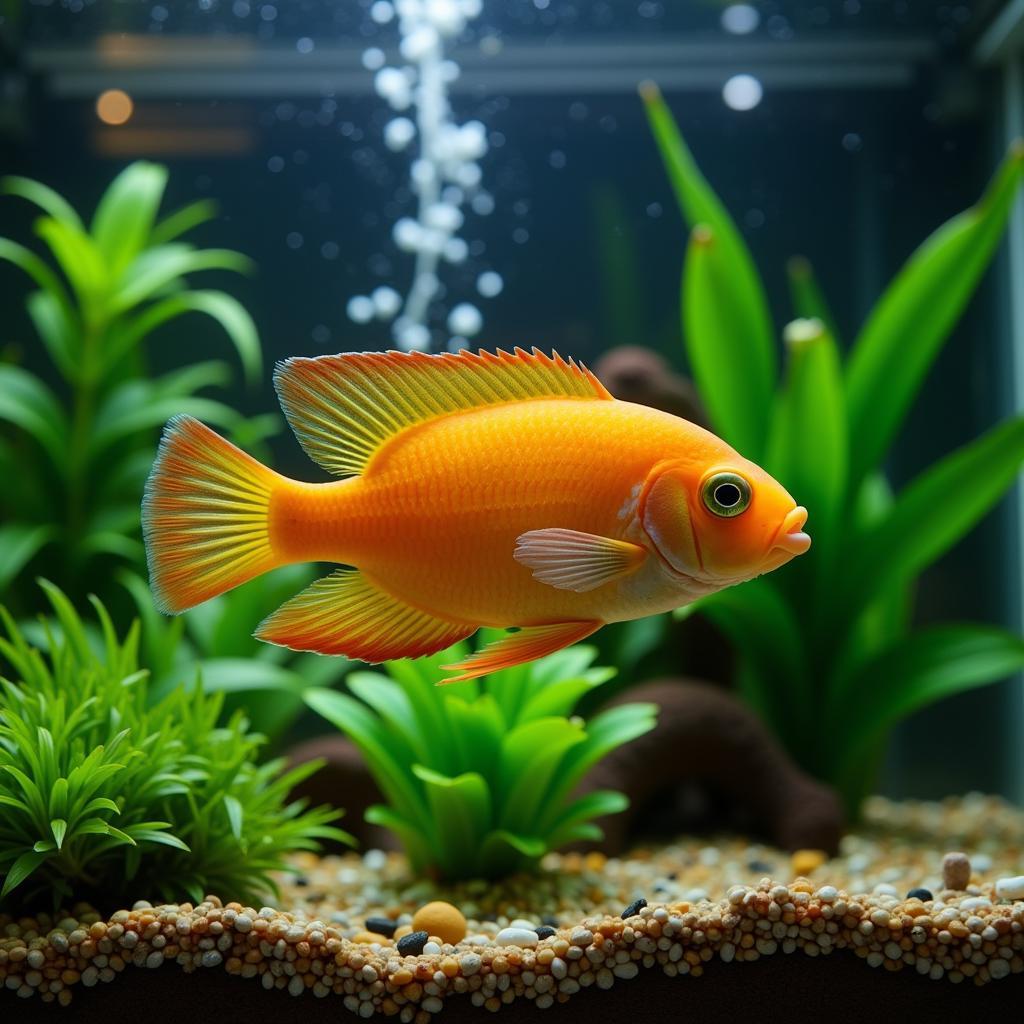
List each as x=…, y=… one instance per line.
x=104, y=790
x=479, y=776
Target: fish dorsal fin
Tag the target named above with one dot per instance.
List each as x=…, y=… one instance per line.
x=344, y=407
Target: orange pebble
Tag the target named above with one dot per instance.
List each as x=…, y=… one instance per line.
x=440, y=919
x=369, y=937
x=806, y=861
x=405, y=929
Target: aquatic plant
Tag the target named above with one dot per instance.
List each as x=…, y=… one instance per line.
x=828, y=656
x=80, y=452
x=444, y=175
x=479, y=775
x=100, y=785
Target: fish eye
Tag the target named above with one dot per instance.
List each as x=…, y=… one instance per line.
x=726, y=494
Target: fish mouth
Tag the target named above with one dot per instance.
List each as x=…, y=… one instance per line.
x=791, y=538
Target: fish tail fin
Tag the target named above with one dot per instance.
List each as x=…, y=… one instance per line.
x=205, y=516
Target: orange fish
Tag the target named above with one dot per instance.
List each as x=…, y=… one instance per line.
x=506, y=490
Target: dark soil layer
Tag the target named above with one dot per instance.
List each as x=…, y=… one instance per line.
x=837, y=988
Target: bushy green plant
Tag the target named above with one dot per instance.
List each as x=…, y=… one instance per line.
x=479, y=775
x=102, y=787
x=828, y=656
x=80, y=452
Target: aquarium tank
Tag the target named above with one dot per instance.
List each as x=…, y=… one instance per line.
x=787, y=229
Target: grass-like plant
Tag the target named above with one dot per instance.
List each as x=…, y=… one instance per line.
x=828, y=655
x=479, y=776
x=80, y=452
x=103, y=789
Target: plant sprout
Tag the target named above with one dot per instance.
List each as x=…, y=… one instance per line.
x=828, y=656
x=479, y=776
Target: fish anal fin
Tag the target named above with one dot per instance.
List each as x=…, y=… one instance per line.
x=571, y=560
x=343, y=408
x=345, y=613
x=528, y=644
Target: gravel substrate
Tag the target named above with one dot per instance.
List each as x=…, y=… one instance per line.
x=582, y=922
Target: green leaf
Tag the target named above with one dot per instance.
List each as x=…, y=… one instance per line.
x=21, y=869
x=221, y=307
x=59, y=828
x=717, y=332
x=126, y=213
x=32, y=265
x=156, y=269
x=236, y=815
x=917, y=671
x=27, y=403
x=19, y=544
x=183, y=220
x=807, y=450
x=79, y=259
x=744, y=325
x=58, y=330
x=933, y=512
x=809, y=302
x=461, y=808
x=909, y=324
x=44, y=197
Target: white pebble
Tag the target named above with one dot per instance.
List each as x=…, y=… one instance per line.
x=296, y=986
x=526, y=937
x=521, y=922
x=465, y=319
x=975, y=903
x=431, y=947
x=827, y=893
x=489, y=284
x=360, y=310
x=1011, y=888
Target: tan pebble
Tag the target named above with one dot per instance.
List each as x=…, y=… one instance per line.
x=956, y=870
x=369, y=937
x=804, y=862
x=440, y=919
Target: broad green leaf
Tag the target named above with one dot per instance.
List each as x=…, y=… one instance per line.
x=156, y=269
x=735, y=381
x=183, y=220
x=461, y=808
x=912, y=320
x=933, y=512
x=503, y=852
x=79, y=259
x=126, y=213
x=60, y=333
x=919, y=670
x=19, y=544
x=809, y=302
x=27, y=403
x=415, y=843
x=581, y=811
x=59, y=828
x=807, y=449
x=236, y=814
x=746, y=326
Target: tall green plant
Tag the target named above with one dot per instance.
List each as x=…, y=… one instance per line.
x=479, y=775
x=827, y=653
x=80, y=452
x=103, y=784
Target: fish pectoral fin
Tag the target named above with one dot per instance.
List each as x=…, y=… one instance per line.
x=571, y=560
x=345, y=613
x=527, y=644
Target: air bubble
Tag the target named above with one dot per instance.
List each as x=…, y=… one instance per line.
x=465, y=319
x=360, y=309
x=489, y=284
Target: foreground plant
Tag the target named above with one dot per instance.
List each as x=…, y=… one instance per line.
x=828, y=657
x=479, y=775
x=80, y=452
x=103, y=790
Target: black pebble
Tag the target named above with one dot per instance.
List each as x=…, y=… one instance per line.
x=550, y=920
x=300, y=881
x=634, y=908
x=921, y=894
x=760, y=865
x=412, y=944
x=381, y=926
x=544, y=931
